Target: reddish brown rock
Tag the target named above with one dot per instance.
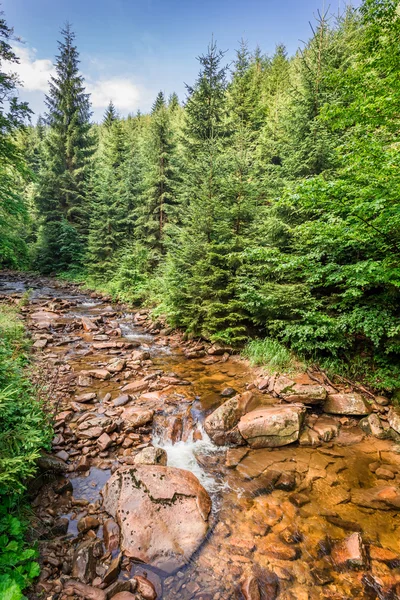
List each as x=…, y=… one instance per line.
x=137, y=417
x=104, y=441
x=162, y=512
x=250, y=589
x=136, y=386
x=350, y=553
x=87, y=523
x=272, y=426
x=307, y=394
x=384, y=555
x=84, y=591
x=381, y=497
x=145, y=588
x=88, y=324
x=347, y=404
x=98, y=373
x=84, y=560
x=125, y=596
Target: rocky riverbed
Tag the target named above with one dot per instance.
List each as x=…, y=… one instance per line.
x=177, y=471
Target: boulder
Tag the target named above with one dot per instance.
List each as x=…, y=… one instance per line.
x=272, y=426
x=347, y=404
x=162, y=513
x=394, y=419
x=221, y=424
x=50, y=463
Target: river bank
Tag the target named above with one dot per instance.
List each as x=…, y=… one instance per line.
x=312, y=516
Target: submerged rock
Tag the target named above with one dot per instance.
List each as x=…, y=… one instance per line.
x=350, y=553
x=272, y=426
x=162, y=513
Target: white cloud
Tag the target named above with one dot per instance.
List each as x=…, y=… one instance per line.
x=125, y=94
x=34, y=73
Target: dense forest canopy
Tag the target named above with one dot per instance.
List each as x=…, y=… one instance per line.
x=266, y=205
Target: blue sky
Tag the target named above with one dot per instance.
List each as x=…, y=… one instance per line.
x=131, y=49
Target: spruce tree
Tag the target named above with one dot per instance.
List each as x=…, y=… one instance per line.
x=158, y=103
x=62, y=198
x=110, y=115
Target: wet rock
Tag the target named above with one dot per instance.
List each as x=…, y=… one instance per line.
x=117, y=587
x=321, y=576
x=272, y=426
x=384, y=555
x=307, y=394
x=63, y=455
x=286, y=481
x=218, y=350
x=373, y=425
x=299, y=499
x=345, y=525
x=326, y=428
x=151, y=456
x=104, y=441
x=234, y=456
x=102, y=374
x=228, y=392
x=111, y=535
x=275, y=549
x=381, y=497
x=121, y=400
x=347, y=404
x=88, y=324
x=83, y=464
x=221, y=424
x=86, y=397
x=66, y=486
x=139, y=355
x=60, y=527
x=162, y=512
x=137, y=417
x=116, y=366
x=84, y=560
x=145, y=588
x=84, y=591
x=350, y=553
x=136, y=386
x=125, y=596
x=383, y=473
x=51, y=464
x=309, y=437
x=113, y=570
x=87, y=523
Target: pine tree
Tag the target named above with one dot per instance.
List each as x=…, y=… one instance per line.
x=110, y=115
x=62, y=200
x=13, y=168
x=159, y=103
x=173, y=102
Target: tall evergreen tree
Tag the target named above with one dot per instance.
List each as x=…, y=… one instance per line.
x=158, y=103
x=62, y=197
x=110, y=115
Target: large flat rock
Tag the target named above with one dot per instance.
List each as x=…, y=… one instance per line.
x=272, y=426
x=162, y=513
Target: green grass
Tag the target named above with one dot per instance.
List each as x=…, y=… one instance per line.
x=24, y=431
x=271, y=354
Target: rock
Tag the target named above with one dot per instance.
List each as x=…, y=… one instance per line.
x=350, y=553
x=60, y=527
x=51, y=464
x=381, y=400
x=373, y=425
x=117, y=365
x=394, y=419
x=221, y=424
x=347, y=404
x=326, y=428
x=84, y=560
x=384, y=555
x=145, y=588
x=88, y=324
x=136, y=386
x=250, y=589
x=117, y=587
x=162, y=512
x=111, y=535
x=40, y=344
x=121, y=400
x=137, y=417
x=83, y=464
x=87, y=523
x=228, y=392
x=381, y=497
x=98, y=374
x=307, y=394
x=275, y=549
x=84, y=591
x=272, y=426
x=286, y=481
x=151, y=456
x=63, y=455
x=65, y=486
x=125, y=596
x=139, y=355
x=299, y=499
x=383, y=473
x=86, y=397
x=104, y=442
x=113, y=570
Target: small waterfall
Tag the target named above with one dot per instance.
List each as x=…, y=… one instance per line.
x=182, y=454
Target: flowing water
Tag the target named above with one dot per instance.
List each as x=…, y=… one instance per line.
x=284, y=535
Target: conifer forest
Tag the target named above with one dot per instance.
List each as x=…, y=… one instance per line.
x=257, y=219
